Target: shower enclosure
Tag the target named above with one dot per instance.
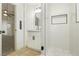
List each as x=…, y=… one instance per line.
x=7, y=28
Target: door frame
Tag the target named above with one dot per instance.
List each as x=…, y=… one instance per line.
x=0, y=29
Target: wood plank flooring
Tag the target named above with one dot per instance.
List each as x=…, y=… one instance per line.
x=25, y=52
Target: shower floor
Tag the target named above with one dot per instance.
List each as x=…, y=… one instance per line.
x=25, y=52
x=57, y=52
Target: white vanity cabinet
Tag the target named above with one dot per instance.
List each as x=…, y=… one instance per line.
x=32, y=25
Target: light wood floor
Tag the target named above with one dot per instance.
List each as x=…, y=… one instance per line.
x=25, y=52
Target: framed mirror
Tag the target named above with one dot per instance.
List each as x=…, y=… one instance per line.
x=37, y=18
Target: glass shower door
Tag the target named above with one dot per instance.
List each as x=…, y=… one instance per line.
x=7, y=29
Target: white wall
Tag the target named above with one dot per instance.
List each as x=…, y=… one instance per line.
x=64, y=36
x=57, y=36
x=19, y=39
x=74, y=32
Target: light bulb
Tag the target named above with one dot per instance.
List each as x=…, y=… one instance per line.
x=5, y=11
x=5, y=14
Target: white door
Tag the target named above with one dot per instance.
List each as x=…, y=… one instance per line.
x=19, y=19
